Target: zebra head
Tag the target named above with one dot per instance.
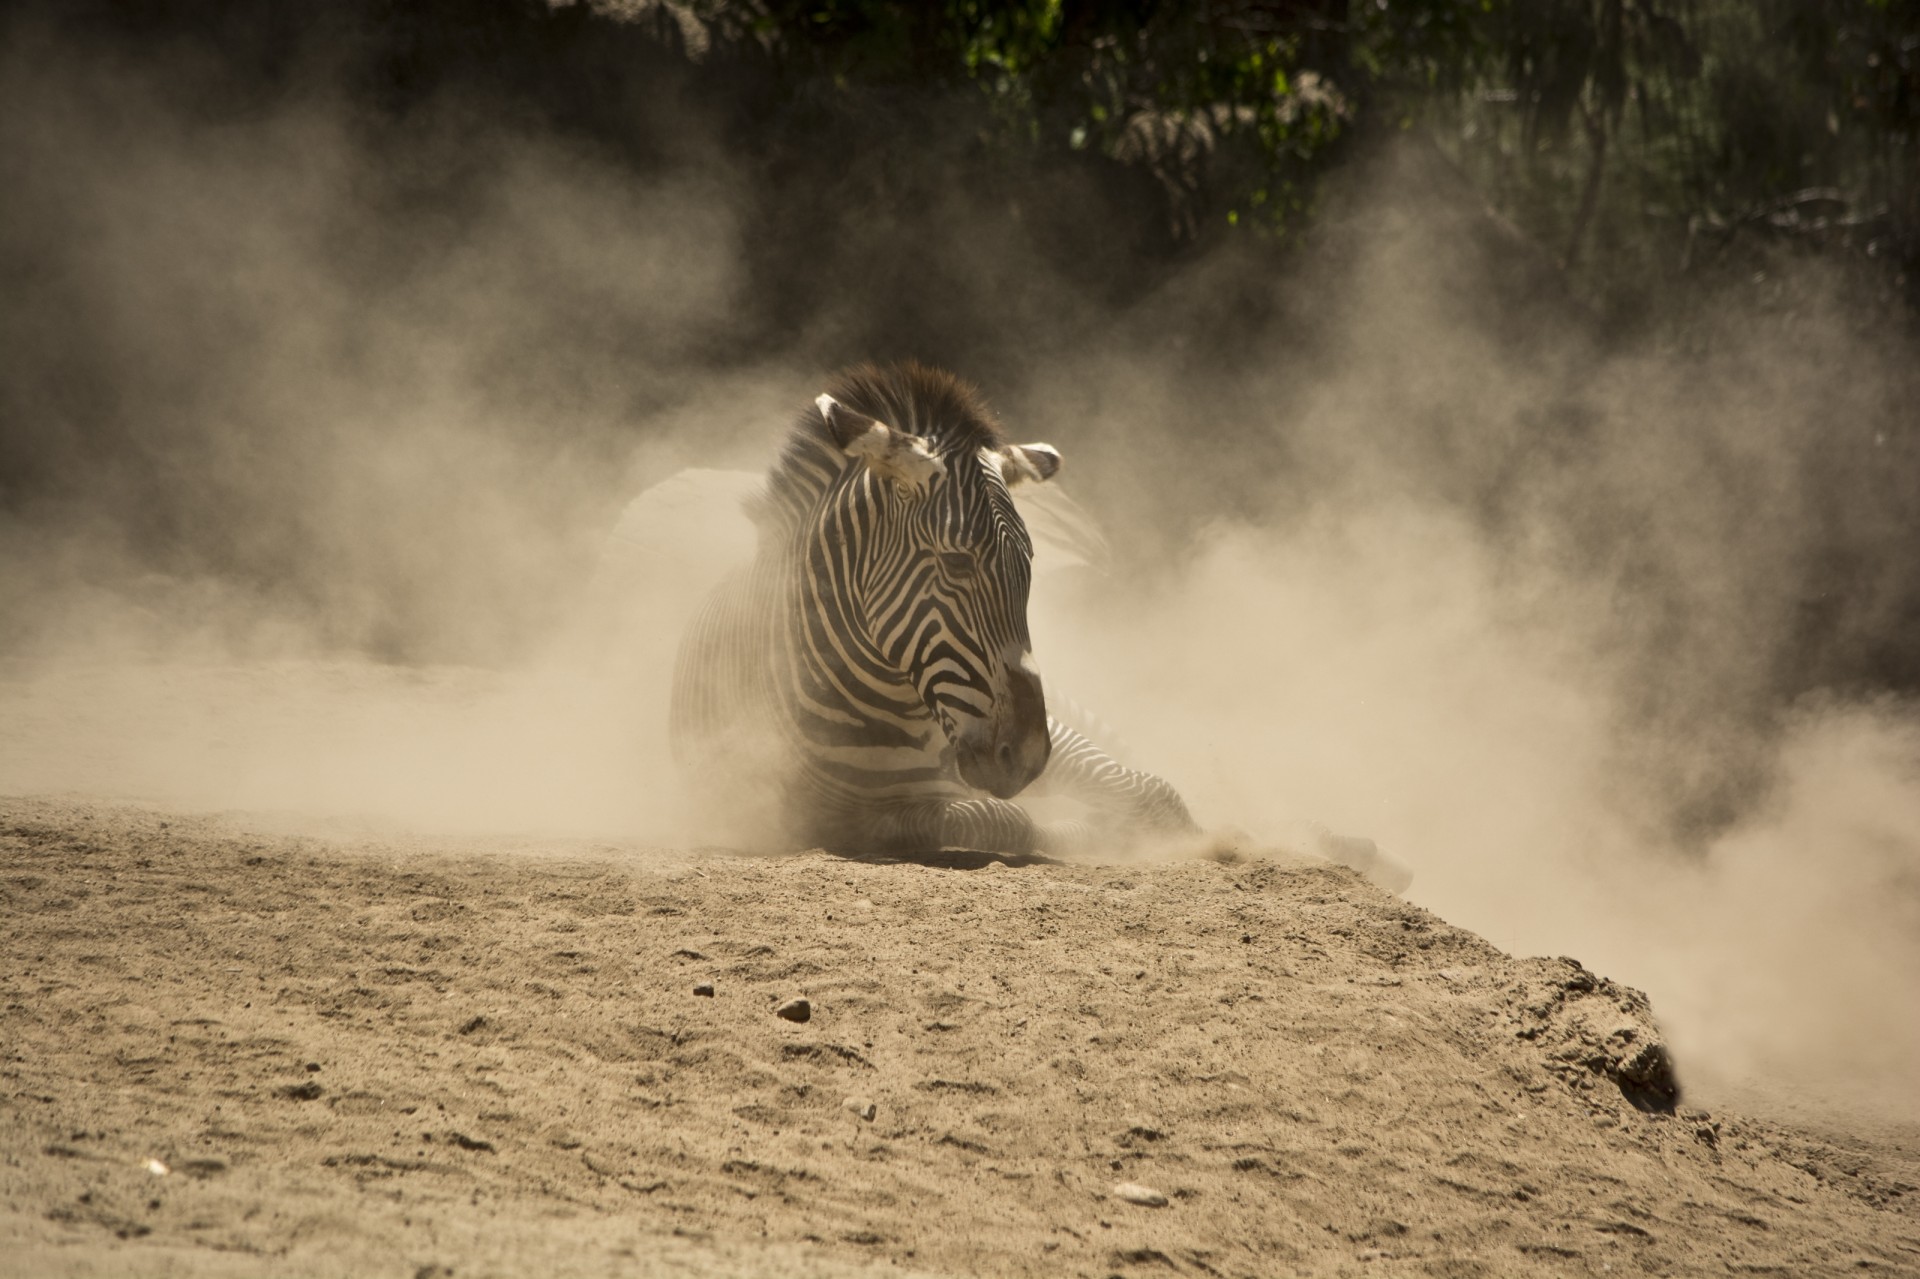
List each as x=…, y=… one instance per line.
x=937, y=562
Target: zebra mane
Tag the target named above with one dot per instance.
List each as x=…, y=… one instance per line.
x=931, y=403
x=916, y=398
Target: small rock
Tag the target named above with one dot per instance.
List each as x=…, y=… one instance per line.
x=795, y=1010
x=1135, y=1193
x=157, y=1168
x=704, y=988
x=861, y=1107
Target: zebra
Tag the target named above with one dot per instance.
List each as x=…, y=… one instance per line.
x=866, y=684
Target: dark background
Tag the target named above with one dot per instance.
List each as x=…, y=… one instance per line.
x=1717, y=189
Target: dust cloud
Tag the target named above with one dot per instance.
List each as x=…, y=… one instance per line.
x=1532, y=613
x=314, y=432
x=1535, y=616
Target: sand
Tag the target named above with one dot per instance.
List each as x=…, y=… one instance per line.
x=231, y=1046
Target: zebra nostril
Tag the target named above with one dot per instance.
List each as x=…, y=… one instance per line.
x=1003, y=756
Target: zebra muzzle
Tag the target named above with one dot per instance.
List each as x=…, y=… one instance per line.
x=1004, y=754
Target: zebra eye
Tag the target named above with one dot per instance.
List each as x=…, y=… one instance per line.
x=957, y=564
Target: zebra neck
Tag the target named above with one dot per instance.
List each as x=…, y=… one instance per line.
x=807, y=471
x=840, y=674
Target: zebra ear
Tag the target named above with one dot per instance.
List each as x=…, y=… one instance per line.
x=1032, y=463
x=892, y=454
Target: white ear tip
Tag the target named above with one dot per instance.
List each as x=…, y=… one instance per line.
x=826, y=403
x=1036, y=463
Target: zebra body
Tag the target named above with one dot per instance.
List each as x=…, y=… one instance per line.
x=866, y=684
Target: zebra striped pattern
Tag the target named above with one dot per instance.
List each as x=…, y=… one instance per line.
x=866, y=685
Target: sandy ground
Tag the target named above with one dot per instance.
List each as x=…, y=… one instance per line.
x=231, y=1050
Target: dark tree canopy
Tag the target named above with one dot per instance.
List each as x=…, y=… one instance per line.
x=1634, y=140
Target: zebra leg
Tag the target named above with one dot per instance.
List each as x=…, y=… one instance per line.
x=1117, y=794
x=928, y=825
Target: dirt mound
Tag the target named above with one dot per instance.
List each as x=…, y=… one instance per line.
x=1589, y=1026
x=228, y=1050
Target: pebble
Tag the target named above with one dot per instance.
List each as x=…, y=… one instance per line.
x=703, y=988
x=1135, y=1193
x=861, y=1107
x=794, y=1010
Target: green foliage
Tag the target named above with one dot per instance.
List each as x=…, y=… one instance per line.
x=1642, y=139
x=1634, y=141
x=1632, y=138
